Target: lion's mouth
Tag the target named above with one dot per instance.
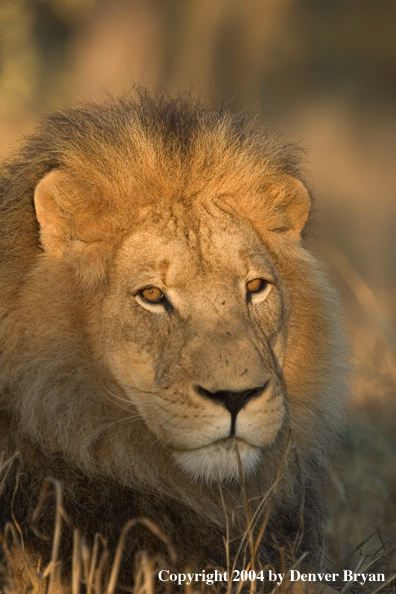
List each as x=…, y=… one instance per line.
x=218, y=461
x=229, y=443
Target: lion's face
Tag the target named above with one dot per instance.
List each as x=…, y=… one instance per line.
x=192, y=329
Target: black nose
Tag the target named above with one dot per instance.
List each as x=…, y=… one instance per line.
x=232, y=401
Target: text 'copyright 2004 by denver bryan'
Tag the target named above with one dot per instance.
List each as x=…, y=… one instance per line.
x=294, y=575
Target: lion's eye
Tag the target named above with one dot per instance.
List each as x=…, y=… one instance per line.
x=152, y=294
x=257, y=290
x=256, y=285
x=154, y=300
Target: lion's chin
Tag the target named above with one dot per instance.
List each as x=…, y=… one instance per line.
x=218, y=461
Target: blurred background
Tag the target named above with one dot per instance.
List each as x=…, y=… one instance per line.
x=324, y=73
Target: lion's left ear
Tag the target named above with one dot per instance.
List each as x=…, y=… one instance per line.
x=291, y=204
x=281, y=205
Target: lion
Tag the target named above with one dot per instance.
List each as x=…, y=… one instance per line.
x=170, y=350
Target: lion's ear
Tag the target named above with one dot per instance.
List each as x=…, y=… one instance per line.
x=70, y=224
x=49, y=202
x=281, y=205
x=292, y=205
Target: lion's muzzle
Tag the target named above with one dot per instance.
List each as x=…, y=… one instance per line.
x=232, y=401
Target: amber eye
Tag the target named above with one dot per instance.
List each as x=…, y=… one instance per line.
x=152, y=294
x=256, y=285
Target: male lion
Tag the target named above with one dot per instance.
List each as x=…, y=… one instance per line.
x=167, y=342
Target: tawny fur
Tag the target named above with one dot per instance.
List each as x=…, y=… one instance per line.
x=120, y=168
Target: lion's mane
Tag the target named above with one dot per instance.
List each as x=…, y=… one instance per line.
x=58, y=404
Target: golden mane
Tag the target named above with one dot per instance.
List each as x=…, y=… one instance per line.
x=58, y=401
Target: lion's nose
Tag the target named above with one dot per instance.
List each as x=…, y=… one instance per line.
x=232, y=401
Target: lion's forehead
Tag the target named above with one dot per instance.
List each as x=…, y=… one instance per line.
x=193, y=244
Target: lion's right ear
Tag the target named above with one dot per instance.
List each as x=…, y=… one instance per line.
x=74, y=224
x=50, y=202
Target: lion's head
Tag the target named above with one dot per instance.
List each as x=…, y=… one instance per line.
x=161, y=316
